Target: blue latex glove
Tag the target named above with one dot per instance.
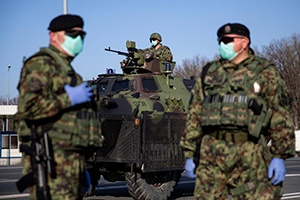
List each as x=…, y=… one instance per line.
x=190, y=168
x=278, y=169
x=88, y=181
x=79, y=94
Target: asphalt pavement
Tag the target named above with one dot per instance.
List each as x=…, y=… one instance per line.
x=9, y=174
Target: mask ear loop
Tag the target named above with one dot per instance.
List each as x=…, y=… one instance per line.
x=242, y=49
x=237, y=53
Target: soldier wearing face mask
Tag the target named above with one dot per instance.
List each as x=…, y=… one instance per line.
x=239, y=103
x=54, y=100
x=159, y=50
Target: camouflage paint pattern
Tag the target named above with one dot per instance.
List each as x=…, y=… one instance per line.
x=155, y=36
x=162, y=53
x=42, y=96
x=226, y=165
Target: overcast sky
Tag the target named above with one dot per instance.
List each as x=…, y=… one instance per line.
x=188, y=27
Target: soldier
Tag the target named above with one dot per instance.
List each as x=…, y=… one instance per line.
x=159, y=50
x=54, y=100
x=239, y=102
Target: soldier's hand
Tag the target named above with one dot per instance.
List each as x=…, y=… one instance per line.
x=276, y=170
x=190, y=168
x=79, y=94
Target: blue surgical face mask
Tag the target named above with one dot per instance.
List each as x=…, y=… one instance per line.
x=227, y=51
x=154, y=43
x=73, y=46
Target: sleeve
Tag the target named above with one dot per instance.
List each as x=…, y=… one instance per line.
x=281, y=123
x=166, y=54
x=193, y=131
x=41, y=91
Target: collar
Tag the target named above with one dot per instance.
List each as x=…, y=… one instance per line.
x=62, y=55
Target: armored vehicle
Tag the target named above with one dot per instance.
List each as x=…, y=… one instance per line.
x=143, y=115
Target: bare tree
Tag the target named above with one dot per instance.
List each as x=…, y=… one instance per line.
x=285, y=54
x=14, y=101
x=190, y=67
x=4, y=101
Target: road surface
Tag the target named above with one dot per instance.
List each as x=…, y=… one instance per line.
x=118, y=191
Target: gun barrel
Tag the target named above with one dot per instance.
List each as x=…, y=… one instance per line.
x=118, y=52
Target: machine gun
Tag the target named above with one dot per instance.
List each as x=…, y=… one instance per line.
x=42, y=162
x=130, y=45
x=118, y=52
x=134, y=57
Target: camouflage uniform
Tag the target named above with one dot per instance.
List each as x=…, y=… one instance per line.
x=163, y=53
x=43, y=98
x=232, y=159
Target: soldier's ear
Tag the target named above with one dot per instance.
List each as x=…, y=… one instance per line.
x=245, y=42
x=54, y=36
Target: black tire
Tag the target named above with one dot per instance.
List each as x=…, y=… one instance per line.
x=149, y=186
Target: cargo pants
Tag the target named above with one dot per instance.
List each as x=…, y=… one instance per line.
x=236, y=169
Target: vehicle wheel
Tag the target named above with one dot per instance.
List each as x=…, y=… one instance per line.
x=149, y=186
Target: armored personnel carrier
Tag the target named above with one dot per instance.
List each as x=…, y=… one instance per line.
x=143, y=115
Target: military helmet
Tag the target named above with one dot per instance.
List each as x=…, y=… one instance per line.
x=155, y=36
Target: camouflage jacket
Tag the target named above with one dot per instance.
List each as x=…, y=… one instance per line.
x=272, y=89
x=42, y=97
x=41, y=87
x=163, y=53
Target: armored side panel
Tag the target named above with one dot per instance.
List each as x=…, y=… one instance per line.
x=122, y=142
x=154, y=145
x=161, y=136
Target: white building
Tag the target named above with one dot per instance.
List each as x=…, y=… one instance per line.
x=9, y=144
x=297, y=136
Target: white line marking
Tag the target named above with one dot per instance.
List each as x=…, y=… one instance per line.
x=14, y=196
x=291, y=175
x=295, y=193
x=7, y=181
x=291, y=197
x=12, y=167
